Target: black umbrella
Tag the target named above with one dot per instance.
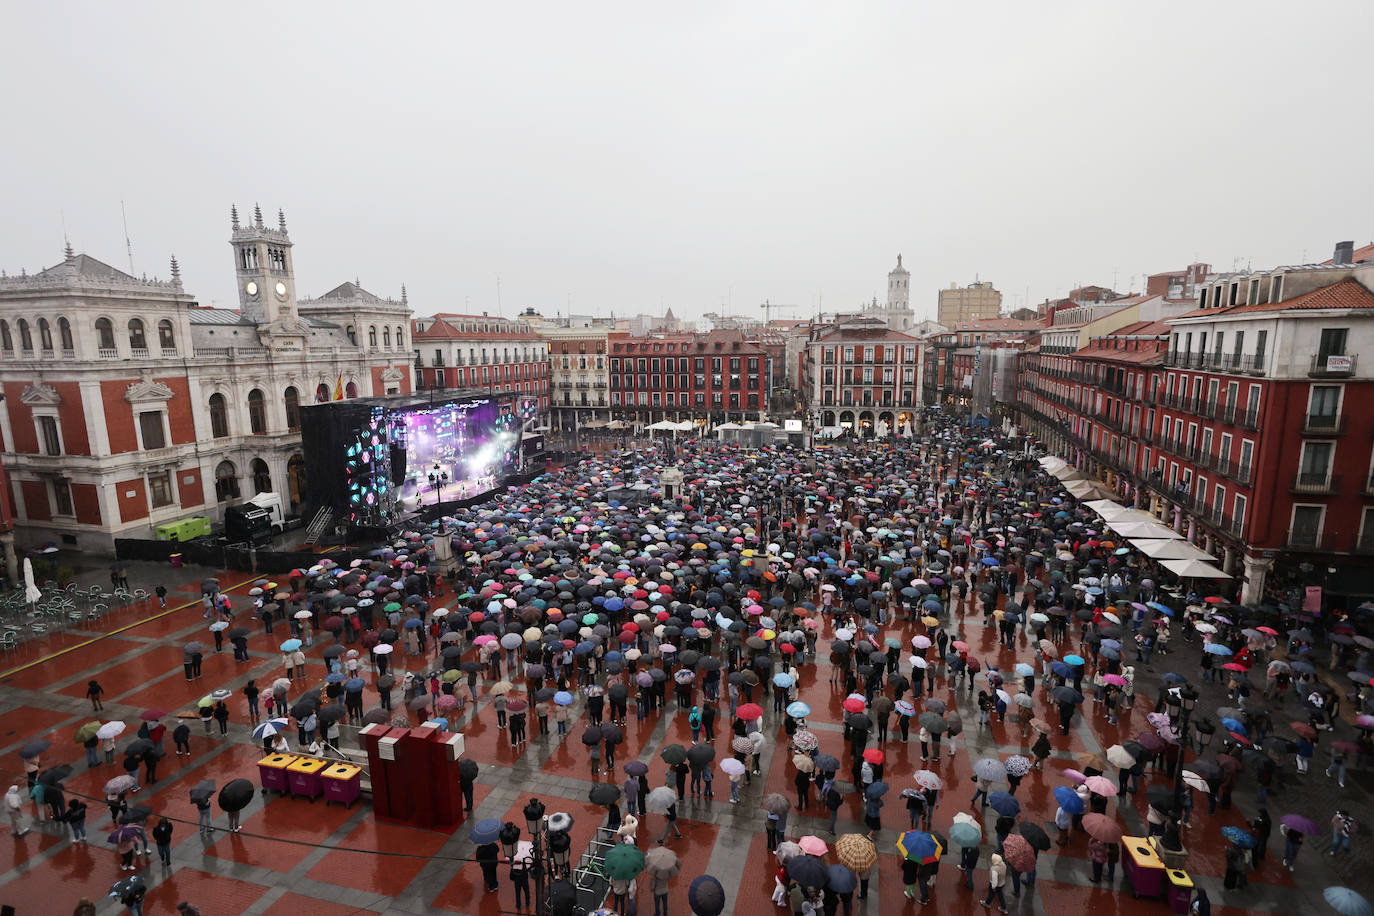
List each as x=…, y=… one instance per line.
x=612, y=734
x=137, y=747
x=701, y=754
x=932, y=722
x=544, y=693
x=305, y=707
x=1035, y=835
x=808, y=871
x=467, y=768
x=1161, y=798
x=136, y=815
x=604, y=794
x=239, y=632
x=54, y=776
x=333, y=651
x=705, y=896
x=34, y=748
x=332, y=713
x=470, y=667
x=236, y=795
x=419, y=703
x=591, y=736
x=203, y=791
x=1066, y=694
x=673, y=754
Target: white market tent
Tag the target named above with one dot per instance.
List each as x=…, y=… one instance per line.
x=1165, y=549
x=1149, y=529
x=1068, y=473
x=1193, y=569
x=1085, y=489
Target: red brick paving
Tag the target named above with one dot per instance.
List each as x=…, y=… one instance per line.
x=211, y=894
x=279, y=835
x=383, y=874
x=296, y=905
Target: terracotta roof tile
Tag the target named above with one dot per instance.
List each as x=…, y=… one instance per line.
x=1347, y=294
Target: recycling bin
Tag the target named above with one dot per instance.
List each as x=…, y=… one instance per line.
x=1180, y=891
x=1142, y=866
x=272, y=772
x=343, y=783
x=303, y=775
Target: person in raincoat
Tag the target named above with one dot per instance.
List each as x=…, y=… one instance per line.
x=997, y=879
x=14, y=810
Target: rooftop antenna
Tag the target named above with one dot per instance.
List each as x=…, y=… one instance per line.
x=128, y=245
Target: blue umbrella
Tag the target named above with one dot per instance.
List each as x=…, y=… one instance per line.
x=1076, y=660
x=798, y=710
x=1214, y=648
x=1112, y=654
x=706, y=896
x=1173, y=677
x=1004, y=803
x=354, y=684
x=1061, y=669
x=1024, y=669
x=1236, y=726
x=876, y=790
x=1068, y=799
x=413, y=623
x=989, y=561
x=219, y=625
x=563, y=698
x=291, y=645
x=334, y=677
x=1239, y=837
x=783, y=679
x=614, y=604
x=1162, y=608
x=485, y=831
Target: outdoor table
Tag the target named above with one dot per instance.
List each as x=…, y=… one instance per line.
x=304, y=776
x=343, y=782
x=1142, y=866
x=272, y=772
x=1180, y=891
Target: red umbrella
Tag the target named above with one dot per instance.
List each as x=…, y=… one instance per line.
x=853, y=704
x=1102, y=828
x=874, y=756
x=1303, y=729
x=1235, y=666
x=1018, y=853
x=749, y=711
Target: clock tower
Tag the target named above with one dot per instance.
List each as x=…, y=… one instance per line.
x=262, y=266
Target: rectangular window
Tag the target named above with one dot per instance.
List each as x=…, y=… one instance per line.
x=1238, y=515
x=1306, y=530
x=1316, y=462
x=1367, y=529
x=1261, y=339
x=1219, y=502
x=150, y=426
x=1323, y=402
x=47, y=429
x=160, y=489
x=62, y=495
x=1332, y=343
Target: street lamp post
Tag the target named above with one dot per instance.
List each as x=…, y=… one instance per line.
x=1183, y=702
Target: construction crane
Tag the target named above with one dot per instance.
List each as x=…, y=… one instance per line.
x=768, y=309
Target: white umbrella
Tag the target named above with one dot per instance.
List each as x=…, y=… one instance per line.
x=32, y=593
x=110, y=730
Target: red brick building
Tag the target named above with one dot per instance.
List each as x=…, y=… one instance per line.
x=716, y=377
x=478, y=351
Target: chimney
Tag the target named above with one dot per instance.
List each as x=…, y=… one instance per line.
x=1345, y=253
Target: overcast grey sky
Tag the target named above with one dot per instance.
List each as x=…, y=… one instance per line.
x=630, y=156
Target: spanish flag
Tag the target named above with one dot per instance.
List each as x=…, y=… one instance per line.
x=338, y=388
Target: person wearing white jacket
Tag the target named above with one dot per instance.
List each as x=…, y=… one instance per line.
x=14, y=810
x=997, y=878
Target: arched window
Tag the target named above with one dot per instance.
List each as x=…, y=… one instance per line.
x=219, y=416
x=6, y=341
x=400, y=338
x=44, y=334
x=292, y=399
x=352, y=333
x=25, y=335
x=351, y=390
x=257, y=413
x=226, y=480
x=64, y=334
x=386, y=338
x=262, y=477
x=372, y=336
x=322, y=393
x=104, y=332
x=166, y=337
x=138, y=340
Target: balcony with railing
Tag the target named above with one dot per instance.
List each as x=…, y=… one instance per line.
x=1340, y=365
x=1304, y=539
x=108, y=353
x=1323, y=425
x=1315, y=483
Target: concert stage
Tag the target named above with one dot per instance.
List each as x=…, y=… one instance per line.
x=376, y=462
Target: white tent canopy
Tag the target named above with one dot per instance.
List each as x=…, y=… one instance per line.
x=664, y=424
x=1067, y=473
x=1165, y=549
x=1052, y=463
x=1085, y=489
x=686, y=426
x=1143, y=530
x=1193, y=569
x=1105, y=507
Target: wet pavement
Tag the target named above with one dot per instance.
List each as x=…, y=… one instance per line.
x=297, y=857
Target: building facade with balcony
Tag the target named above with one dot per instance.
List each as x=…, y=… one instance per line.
x=717, y=377
x=578, y=375
x=479, y=351
x=127, y=406
x=1243, y=433
x=863, y=377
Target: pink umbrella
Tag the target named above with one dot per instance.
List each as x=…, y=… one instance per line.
x=1100, y=786
x=1075, y=776
x=1115, y=680
x=812, y=845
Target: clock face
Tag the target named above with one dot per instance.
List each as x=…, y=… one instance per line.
x=251, y=288
x=281, y=290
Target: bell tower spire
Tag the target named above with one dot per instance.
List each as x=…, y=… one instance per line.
x=264, y=269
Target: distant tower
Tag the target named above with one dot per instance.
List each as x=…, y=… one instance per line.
x=263, y=266
x=899, y=317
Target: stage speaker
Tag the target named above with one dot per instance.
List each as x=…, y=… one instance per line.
x=398, y=464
